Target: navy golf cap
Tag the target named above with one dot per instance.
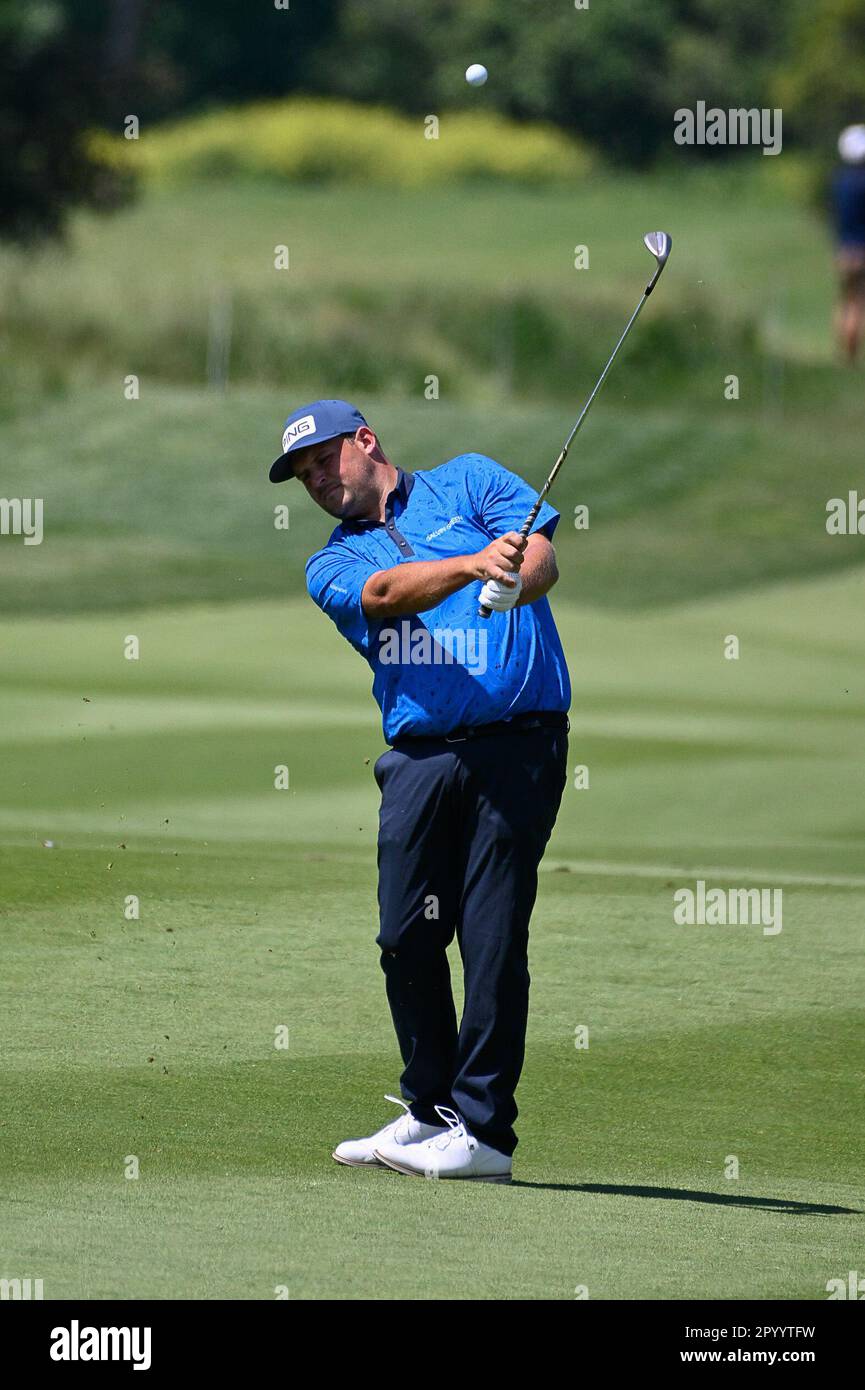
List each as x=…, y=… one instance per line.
x=312, y=424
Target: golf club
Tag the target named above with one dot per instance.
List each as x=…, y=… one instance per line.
x=660, y=244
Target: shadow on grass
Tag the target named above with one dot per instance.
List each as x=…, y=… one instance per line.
x=683, y=1194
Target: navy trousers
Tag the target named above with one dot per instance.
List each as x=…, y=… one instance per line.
x=462, y=829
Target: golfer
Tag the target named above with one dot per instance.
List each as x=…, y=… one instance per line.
x=475, y=712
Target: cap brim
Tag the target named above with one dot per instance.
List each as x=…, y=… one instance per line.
x=282, y=468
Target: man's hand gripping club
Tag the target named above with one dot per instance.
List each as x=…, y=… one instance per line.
x=498, y=564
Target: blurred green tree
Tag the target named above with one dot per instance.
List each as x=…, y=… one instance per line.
x=725, y=54
x=54, y=81
x=69, y=65
x=205, y=53
x=596, y=72
x=822, y=86
x=613, y=73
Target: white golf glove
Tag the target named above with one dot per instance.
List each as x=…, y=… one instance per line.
x=500, y=597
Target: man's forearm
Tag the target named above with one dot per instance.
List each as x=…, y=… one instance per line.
x=539, y=570
x=423, y=584
x=415, y=586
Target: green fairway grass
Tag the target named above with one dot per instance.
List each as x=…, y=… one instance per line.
x=155, y=1037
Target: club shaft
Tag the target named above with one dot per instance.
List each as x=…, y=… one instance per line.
x=587, y=407
x=533, y=514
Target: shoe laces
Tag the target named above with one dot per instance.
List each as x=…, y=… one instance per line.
x=456, y=1129
x=401, y=1119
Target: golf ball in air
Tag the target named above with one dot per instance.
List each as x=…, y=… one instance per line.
x=476, y=75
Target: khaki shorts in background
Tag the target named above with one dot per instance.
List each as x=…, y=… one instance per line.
x=850, y=262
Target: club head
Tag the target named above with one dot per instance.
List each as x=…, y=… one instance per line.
x=660, y=244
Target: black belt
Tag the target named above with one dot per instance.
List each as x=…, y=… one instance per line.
x=534, y=719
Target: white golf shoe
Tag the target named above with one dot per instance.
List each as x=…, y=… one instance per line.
x=360, y=1153
x=454, y=1154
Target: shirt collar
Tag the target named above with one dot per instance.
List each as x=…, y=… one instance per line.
x=403, y=486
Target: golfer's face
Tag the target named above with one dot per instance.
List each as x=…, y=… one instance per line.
x=336, y=476
x=319, y=469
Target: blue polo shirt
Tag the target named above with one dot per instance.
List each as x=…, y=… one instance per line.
x=848, y=189
x=446, y=667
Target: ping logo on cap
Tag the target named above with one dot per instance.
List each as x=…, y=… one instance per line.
x=306, y=425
